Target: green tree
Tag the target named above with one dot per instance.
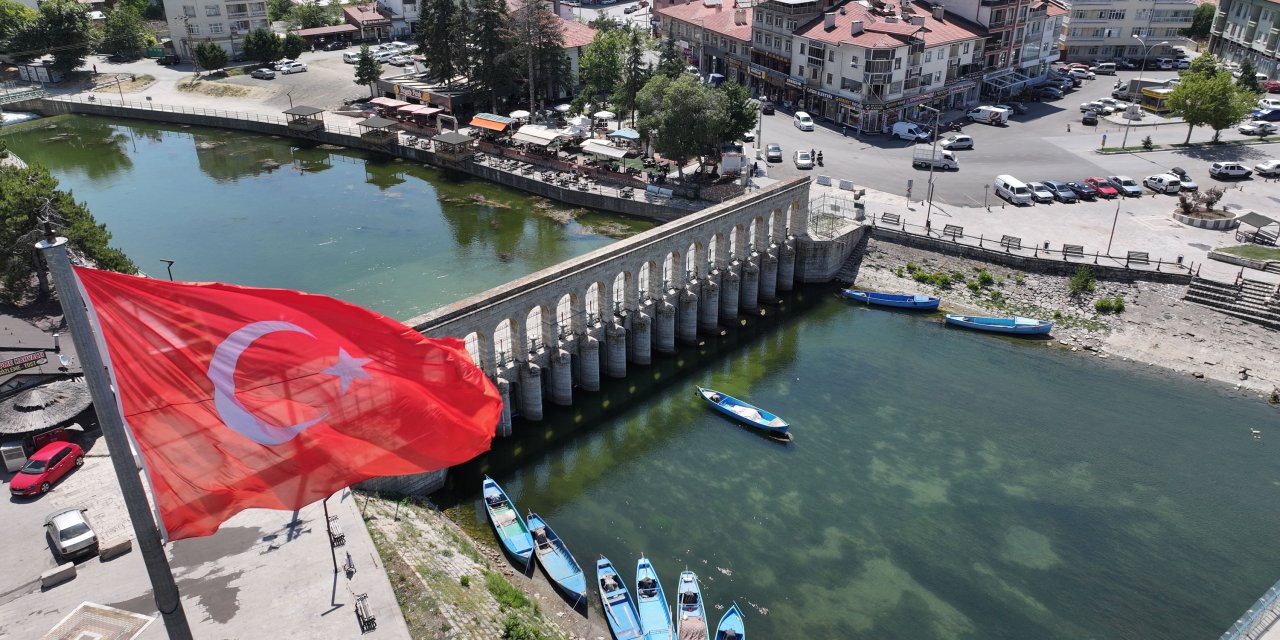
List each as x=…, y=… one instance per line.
x=263, y=45
x=671, y=62
x=1205, y=65
x=278, y=10
x=368, y=70
x=1213, y=101
x=28, y=198
x=684, y=112
x=491, y=51
x=1248, y=79
x=14, y=16
x=535, y=35
x=1201, y=21
x=605, y=22
x=737, y=113
x=210, y=56
x=634, y=74
x=442, y=37
x=600, y=67
x=124, y=33
x=292, y=46
x=63, y=28
x=311, y=15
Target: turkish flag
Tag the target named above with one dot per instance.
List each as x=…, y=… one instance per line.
x=241, y=397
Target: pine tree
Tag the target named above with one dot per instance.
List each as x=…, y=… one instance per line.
x=634, y=74
x=534, y=33
x=368, y=70
x=1248, y=79
x=670, y=61
x=491, y=69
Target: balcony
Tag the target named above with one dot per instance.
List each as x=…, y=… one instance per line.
x=237, y=14
x=992, y=47
x=996, y=3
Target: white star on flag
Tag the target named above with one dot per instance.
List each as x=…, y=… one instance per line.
x=348, y=369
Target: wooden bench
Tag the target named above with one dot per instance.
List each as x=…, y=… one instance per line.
x=336, y=537
x=1010, y=242
x=891, y=219
x=1072, y=251
x=1137, y=257
x=952, y=231
x=364, y=615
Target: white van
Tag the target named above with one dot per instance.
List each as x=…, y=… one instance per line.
x=1012, y=189
x=1104, y=69
x=910, y=131
x=988, y=114
x=351, y=57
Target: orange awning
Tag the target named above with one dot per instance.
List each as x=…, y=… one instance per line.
x=487, y=124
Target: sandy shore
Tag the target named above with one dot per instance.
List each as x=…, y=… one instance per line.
x=1156, y=328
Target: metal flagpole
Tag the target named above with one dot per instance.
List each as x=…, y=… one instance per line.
x=54, y=251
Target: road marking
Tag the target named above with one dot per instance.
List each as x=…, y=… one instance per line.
x=1157, y=223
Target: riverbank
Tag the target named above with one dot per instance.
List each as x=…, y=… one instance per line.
x=1156, y=327
x=451, y=585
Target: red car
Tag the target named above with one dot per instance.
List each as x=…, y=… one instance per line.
x=46, y=467
x=1103, y=187
x=1270, y=86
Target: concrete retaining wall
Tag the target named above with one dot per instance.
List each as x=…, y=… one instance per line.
x=1260, y=265
x=1200, y=223
x=1027, y=263
x=819, y=261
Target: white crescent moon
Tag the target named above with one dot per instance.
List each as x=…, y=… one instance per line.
x=222, y=373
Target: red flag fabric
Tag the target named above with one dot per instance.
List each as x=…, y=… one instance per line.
x=241, y=397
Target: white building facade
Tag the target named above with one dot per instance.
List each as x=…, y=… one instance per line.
x=223, y=23
x=1247, y=29
x=1109, y=29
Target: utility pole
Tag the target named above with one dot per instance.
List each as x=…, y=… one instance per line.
x=932, y=160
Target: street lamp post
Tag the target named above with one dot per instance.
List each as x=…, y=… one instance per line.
x=932, y=160
x=1119, y=199
x=1146, y=50
x=168, y=264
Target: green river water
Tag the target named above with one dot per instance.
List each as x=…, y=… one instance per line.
x=942, y=484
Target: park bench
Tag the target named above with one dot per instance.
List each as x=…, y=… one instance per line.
x=1137, y=257
x=364, y=615
x=891, y=219
x=336, y=537
x=1010, y=243
x=952, y=231
x=1072, y=251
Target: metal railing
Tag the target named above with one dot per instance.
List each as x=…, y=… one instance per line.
x=1258, y=619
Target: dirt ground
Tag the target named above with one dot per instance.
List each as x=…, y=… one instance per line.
x=1156, y=328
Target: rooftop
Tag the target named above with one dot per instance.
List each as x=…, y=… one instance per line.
x=882, y=29
x=733, y=22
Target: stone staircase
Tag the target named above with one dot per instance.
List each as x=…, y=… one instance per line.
x=849, y=270
x=1250, y=300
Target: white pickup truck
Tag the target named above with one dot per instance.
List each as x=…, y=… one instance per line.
x=924, y=156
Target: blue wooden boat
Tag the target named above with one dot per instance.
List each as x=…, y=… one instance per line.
x=748, y=414
x=556, y=560
x=691, y=614
x=511, y=529
x=731, y=626
x=895, y=300
x=1016, y=325
x=655, y=615
x=619, y=609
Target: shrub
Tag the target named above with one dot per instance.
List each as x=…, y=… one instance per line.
x=465, y=581
x=973, y=286
x=912, y=267
x=898, y=272
x=1082, y=281
x=1118, y=304
x=996, y=296
x=985, y=279
x=1104, y=305
x=1147, y=145
x=1057, y=315
x=958, y=276
x=1210, y=197
x=919, y=276
x=1186, y=204
x=508, y=596
x=514, y=628
x=941, y=280
x=1019, y=278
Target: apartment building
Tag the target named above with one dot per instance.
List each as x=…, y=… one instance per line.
x=773, y=27
x=714, y=38
x=871, y=63
x=222, y=23
x=1021, y=39
x=1116, y=29
x=1247, y=29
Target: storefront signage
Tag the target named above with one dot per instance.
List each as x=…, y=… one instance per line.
x=924, y=97
x=408, y=92
x=844, y=102
x=795, y=82
x=33, y=359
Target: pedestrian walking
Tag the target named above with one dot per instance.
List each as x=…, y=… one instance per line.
x=95, y=70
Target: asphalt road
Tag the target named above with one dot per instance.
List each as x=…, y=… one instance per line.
x=1038, y=139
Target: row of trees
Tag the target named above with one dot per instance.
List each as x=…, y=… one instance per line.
x=60, y=27
x=1208, y=96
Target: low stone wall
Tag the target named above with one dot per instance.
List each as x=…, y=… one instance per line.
x=275, y=127
x=819, y=261
x=1200, y=223
x=1027, y=263
x=419, y=484
x=1260, y=265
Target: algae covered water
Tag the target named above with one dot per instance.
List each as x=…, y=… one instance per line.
x=942, y=484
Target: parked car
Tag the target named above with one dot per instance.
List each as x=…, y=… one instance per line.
x=400, y=60
x=335, y=45
x=1163, y=183
x=766, y=107
x=293, y=67
x=773, y=152
x=45, y=467
x=1089, y=118
x=1061, y=191
x=1102, y=187
x=1268, y=168
x=400, y=47
x=1093, y=105
x=1187, y=183
x=383, y=56
x=1116, y=105
x=749, y=136
x=1164, y=64
x=1182, y=63
x=1083, y=191
x=802, y=159
x=167, y=60
x=1257, y=128
x=71, y=534
x=1267, y=115
x=1039, y=192
x=910, y=131
x=279, y=64
x=1081, y=74
x=1269, y=103
x=1127, y=64
x=263, y=74
x=956, y=141
x=1270, y=86
x=631, y=9
x=1228, y=170
x=1126, y=185
x=1049, y=93
x=802, y=121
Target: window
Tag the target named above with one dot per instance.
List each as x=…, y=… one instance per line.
x=215, y=27
x=828, y=78
x=1141, y=32
x=801, y=48
x=759, y=38
x=800, y=71
x=787, y=45
x=193, y=29
x=792, y=25
x=928, y=55
x=759, y=17
x=897, y=64
x=733, y=47
x=1115, y=14
x=966, y=47
x=212, y=10
x=853, y=61
x=813, y=73
x=257, y=7
x=189, y=10
x=831, y=56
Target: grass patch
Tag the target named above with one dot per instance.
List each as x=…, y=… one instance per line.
x=505, y=593
x=1252, y=252
x=513, y=628
x=1083, y=281
x=215, y=89
x=1109, y=305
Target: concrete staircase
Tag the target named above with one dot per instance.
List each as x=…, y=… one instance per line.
x=1250, y=300
x=849, y=270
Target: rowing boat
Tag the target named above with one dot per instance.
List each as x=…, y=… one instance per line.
x=507, y=523
x=1015, y=325
x=555, y=558
x=691, y=614
x=651, y=602
x=895, y=300
x=618, y=607
x=747, y=413
x=731, y=626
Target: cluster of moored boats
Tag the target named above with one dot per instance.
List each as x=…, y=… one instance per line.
x=645, y=616
x=1014, y=325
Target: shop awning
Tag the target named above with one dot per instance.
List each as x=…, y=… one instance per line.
x=411, y=109
x=390, y=103
x=535, y=134
x=491, y=121
x=625, y=134
x=602, y=149
x=376, y=123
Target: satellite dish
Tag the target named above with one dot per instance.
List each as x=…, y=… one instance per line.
x=66, y=361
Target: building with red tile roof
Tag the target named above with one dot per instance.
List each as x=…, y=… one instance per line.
x=715, y=35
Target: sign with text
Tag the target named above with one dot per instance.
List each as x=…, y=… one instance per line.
x=33, y=359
